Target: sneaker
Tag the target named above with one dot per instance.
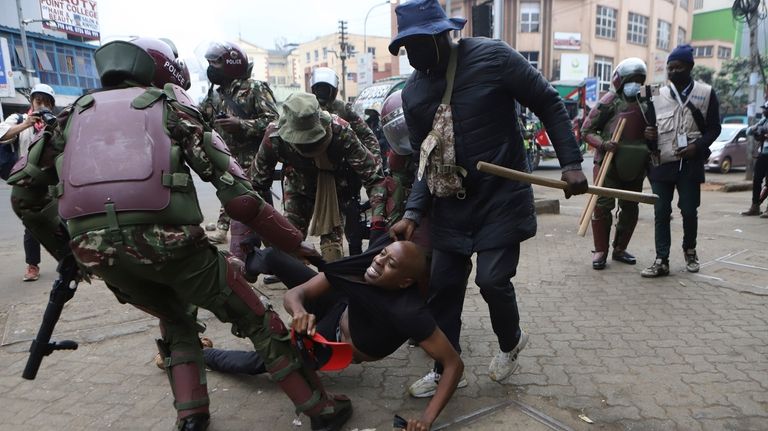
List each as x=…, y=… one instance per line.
x=764, y=214
x=505, y=363
x=32, y=274
x=691, y=261
x=659, y=268
x=218, y=237
x=427, y=386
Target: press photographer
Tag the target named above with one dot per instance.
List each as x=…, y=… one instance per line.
x=16, y=133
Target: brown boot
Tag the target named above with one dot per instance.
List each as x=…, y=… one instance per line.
x=753, y=210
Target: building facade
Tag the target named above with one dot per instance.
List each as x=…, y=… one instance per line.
x=324, y=51
x=573, y=39
x=718, y=37
x=58, y=58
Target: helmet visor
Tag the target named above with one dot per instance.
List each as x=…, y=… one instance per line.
x=396, y=132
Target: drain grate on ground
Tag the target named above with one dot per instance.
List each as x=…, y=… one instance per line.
x=744, y=270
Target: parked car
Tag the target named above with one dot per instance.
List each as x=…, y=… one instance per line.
x=735, y=119
x=729, y=149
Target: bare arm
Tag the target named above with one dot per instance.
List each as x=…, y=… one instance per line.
x=440, y=349
x=293, y=301
x=16, y=129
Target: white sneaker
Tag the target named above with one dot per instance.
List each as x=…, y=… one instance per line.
x=427, y=386
x=505, y=363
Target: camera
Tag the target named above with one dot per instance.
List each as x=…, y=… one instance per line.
x=647, y=92
x=221, y=114
x=46, y=115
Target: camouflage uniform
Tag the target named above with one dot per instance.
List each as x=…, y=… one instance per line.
x=300, y=175
x=350, y=183
x=160, y=261
x=256, y=108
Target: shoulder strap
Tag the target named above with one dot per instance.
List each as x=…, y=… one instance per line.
x=450, y=75
x=698, y=117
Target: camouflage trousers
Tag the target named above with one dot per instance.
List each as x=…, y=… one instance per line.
x=299, y=209
x=172, y=291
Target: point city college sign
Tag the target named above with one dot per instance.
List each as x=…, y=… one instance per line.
x=76, y=17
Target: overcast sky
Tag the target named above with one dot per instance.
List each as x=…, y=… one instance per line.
x=189, y=23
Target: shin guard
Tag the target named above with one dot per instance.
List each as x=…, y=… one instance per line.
x=601, y=228
x=299, y=383
x=186, y=373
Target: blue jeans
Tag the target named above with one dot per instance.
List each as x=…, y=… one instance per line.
x=689, y=199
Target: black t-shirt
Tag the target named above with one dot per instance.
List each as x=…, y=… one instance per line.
x=380, y=320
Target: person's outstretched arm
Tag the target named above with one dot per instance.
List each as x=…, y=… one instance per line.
x=441, y=350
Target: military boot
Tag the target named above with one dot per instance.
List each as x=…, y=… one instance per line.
x=196, y=422
x=620, y=243
x=331, y=251
x=335, y=418
x=753, y=210
x=601, y=228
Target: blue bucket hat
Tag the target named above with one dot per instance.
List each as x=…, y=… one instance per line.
x=422, y=17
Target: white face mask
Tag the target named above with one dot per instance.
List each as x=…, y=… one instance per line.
x=631, y=89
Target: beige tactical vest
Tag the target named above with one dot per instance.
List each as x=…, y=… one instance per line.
x=673, y=119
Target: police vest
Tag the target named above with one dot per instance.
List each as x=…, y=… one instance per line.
x=119, y=160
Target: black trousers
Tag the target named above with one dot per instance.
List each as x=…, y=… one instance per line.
x=327, y=309
x=353, y=229
x=760, y=176
x=448, y=285
x=31, y=249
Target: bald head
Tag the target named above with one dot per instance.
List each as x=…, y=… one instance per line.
x=399, y=265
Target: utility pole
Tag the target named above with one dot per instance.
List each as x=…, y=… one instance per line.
x=749, y=12
x=343, y=56
x=754, y=64
x=27, y=63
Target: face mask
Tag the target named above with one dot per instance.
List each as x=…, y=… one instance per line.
x=678, y=77
x=422, y=53
x=324, y=93
x=631, y=89
x=216, y=76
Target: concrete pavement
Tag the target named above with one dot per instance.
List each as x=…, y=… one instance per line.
x=683, y=352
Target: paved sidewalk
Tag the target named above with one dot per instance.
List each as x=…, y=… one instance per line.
x=683, y=352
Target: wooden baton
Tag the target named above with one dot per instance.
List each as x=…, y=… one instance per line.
x=512, y=174
x=586, y=217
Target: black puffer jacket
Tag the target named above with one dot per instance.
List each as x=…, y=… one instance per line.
x=489, y=78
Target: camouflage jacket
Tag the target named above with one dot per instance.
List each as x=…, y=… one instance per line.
x=250, y=100
x=141, y=243
x=361, y=129
x=300, y=172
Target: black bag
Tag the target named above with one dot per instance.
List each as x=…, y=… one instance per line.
x=9, y=154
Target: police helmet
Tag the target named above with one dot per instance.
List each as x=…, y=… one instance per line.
x=628, y=68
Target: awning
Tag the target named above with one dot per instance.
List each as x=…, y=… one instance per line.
x=19, y=100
